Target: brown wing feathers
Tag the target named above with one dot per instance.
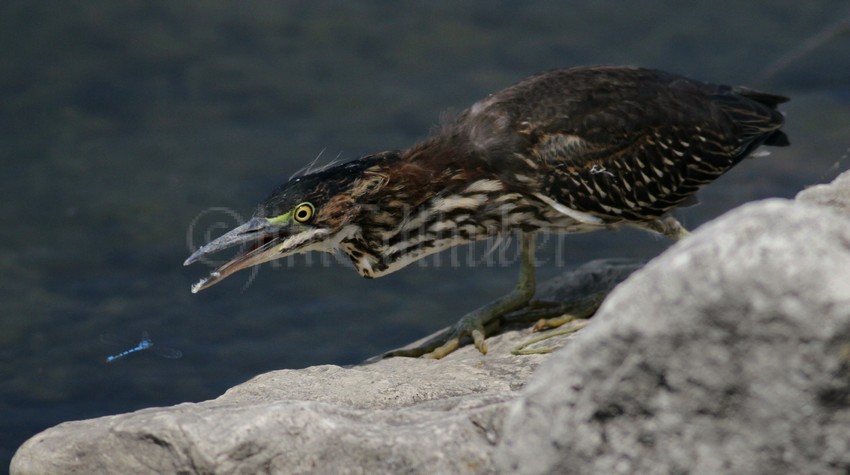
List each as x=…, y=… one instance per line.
x=629, y=143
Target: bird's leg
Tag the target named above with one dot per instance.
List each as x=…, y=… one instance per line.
x=475, y=323
x=517, y=307
x=553, y=315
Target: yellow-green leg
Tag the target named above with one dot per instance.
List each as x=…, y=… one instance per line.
x=582, y=309
x=516, y=307
x=475, y=323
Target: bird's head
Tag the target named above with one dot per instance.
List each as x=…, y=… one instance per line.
x=312, y=212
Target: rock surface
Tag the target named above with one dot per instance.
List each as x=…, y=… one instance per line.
x=730, y=353
x=399, y=415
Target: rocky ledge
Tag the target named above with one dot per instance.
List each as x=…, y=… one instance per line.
x=729, y=353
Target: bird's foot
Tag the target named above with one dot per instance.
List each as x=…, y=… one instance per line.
x=548, y=315
x=484, y=322
x=577, y=324
x=477, y=325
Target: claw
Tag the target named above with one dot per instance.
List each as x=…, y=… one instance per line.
x=478, y=340
x=521, y=349
x=443, y=350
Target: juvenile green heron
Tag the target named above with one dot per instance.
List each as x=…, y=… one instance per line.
x=569, y=150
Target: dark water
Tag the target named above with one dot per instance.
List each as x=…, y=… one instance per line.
x=131, y=130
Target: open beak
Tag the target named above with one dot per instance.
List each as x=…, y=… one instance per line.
x=259, y=237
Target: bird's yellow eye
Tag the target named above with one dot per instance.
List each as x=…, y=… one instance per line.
x=303, y=213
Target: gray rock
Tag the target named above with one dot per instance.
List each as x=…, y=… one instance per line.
x=730, y=353
x=835, y=195
x=399, y=415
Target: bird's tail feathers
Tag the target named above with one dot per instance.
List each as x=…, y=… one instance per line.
x=766, y=98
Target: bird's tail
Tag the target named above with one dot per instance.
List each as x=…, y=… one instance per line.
x=777, y=138
x=766, y=98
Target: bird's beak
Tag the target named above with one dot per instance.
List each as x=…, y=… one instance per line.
x=261, y=238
